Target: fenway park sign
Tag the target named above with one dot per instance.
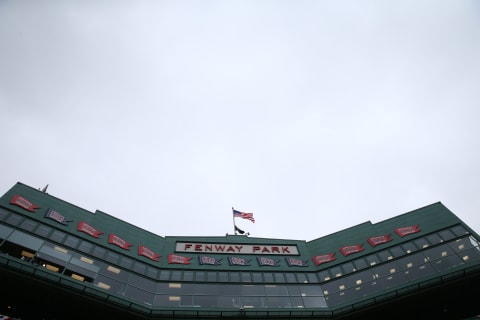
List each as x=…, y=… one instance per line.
x=237, y=248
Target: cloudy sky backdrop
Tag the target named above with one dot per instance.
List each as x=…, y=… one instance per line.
x=314, y=115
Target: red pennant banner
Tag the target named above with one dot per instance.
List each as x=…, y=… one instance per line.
x=88, y=229
x=144, y=251
x=23, y=203
x=351, y=249
x=375, y=241
x=324, y=258
x=119, y=242
x=402, y=232
x=173, y=258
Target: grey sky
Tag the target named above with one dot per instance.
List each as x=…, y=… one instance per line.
x=313, y=115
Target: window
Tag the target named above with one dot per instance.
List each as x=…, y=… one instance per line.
x=85, y=246
x=71, y=241
x=57, y=236
x=14, y=219
x=43, y=230
x=459, y=230
x=446, y=235
x=28, y=224
x=421, y=243
x=112, y=257
x=142, y=282
x=99, y=252
x=164, y=275
x=139, y=295
x=409, y=247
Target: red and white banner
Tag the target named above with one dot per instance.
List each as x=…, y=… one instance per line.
x=88, y=229
x=173, y=258
x=324, y=258
x=119, y=242
x=405, y=231
x=23, y=203
x=351, y=249
x=144, y=251
x=375, y=241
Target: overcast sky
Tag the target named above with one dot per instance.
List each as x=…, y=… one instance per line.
x=314, y=115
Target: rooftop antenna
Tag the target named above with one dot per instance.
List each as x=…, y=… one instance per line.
x=44, y=190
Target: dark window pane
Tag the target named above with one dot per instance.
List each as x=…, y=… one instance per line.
x=268, y=276
x=372, y=260
x=459, y=230
x=314, y=302
x=125, y=262
x=419, y=271
x=348, y=267
x=311, y=290
x=253, y=290
x=187, y=275
x=235, y=276
x=470, y=255
x=43, y=230
x=290, y=277
x=393, y=280
x=28, y=224
x=409, y=247
x=421, y=243
x=139, y=267
x=246, y=276
x=272, y=290
x=112, y=257
x=336, y=272
x=385, y=255
x=164, y=275
x=254, y=302
x=279, y=278
x=211, y=276
x=141, y=282
x=72, y=241
x=14, y=219
x=152, y=272
x=446, y=235
x=205, y=301
x=200, y=275
x=462, y=244
x=438, y=252
x=324, y=275
x=257, y=277
x=99, y=252
x=139, y=295
x=222, y=276
x=85, y=246
x=447, y=262
x=230, y=289
x=312, y=277
x=278, y=302
x=109, y=284
x=206, y=289
x=57, y=236
x=176, y=275
x=397, y=252
x=385, y=270
x=434, y=239
x=114, y=272
x=360, y=264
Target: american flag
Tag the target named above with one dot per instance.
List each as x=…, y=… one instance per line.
x=243, y=215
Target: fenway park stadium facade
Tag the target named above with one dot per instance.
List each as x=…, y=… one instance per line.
x=59, y=261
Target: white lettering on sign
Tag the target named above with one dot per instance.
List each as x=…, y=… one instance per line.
x=236, y=248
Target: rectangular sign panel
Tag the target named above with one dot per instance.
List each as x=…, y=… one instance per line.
x=261, y=249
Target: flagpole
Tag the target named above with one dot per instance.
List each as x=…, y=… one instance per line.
x=233, y=219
